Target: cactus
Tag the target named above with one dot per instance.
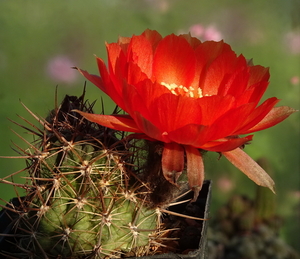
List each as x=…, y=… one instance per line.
x=82, y=199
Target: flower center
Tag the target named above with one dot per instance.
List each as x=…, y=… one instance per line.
x=182, y=90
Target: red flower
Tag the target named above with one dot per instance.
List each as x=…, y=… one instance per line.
x=189, y=95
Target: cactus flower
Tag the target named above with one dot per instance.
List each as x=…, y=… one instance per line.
x=191, y=96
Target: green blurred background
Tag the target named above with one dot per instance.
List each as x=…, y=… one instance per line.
x=41, y=40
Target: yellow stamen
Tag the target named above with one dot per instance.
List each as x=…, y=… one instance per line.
x=183, y=90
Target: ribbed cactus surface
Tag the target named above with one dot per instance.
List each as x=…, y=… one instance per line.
x=81, y=199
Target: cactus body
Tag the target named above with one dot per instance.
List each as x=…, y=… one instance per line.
x=80, y=200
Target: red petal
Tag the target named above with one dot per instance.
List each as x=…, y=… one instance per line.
x=173, y=112
x=258, y=74
x=236, y=82
x=150, y=129
x=249, y=167
x=124, y=42
x=96, y=80
x=174, y=61
x=114, y=91
x=184, y=110
x=191, y=134
x=229, y=122
x=140, y=52
x=153, y=37
x=194, y=42
x=106, y=86
x=216, y=72
x=275, y=116
x=226, y=144
x=206, y=53
x=252, y=94
x=114, y=51
x=195, y=169
x=117, y=65
x=258, y=91
x=139, y=97
x=117, y=122
x=209, y=51
x=135, y=75
x=172, y=161
x=213, y=107
x=256, y=115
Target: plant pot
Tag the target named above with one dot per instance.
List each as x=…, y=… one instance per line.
x=189, y=235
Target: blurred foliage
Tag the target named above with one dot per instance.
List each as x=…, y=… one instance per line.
x=34, y=33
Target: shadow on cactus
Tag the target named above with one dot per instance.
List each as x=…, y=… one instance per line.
x=86, y=193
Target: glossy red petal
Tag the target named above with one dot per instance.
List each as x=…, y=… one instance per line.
x=229, y=122
x=135, y=75
x=153, y=37
x=141, y=96
x=213, y=107
x=195, y=169
x=258, y=74
x=236, y=82
x=257, y=91
x=140, y=52
x=149, y=128
x=208, y=51
x=226, y=144
x=217, y=71
x=117, y=122
x=113, y=52
x=113, y=90
x=172, y=112
x=117, y=65
x=172, y=161
x=191, y=134
x=205, y=54
x=250, y=168
x=275, y=116
x=174, y=61
x=256, y=115
x=193, y=42
x=123, y=42
x=96, y=80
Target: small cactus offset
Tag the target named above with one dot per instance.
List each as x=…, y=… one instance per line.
x=80, y=201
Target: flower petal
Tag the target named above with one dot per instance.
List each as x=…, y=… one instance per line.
x=172, y=161
x=117, y=122
x=226, y=144
x=249, y=167
x=213, y=107
x=229, y=122
x=173, y=111
x=149, y=128
x=183, y=135
x=114, y=52
x=140, y=52
x=195, y=169
x=96, y=80
x=275, y=116
x=174, y=61
x=153, y=37
x=207, y=52
x=258, y=74
x=256, y=115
